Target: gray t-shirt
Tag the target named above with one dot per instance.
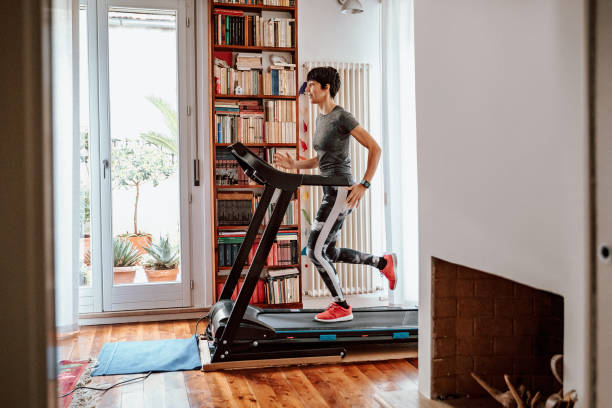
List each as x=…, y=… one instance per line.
x=331, y=141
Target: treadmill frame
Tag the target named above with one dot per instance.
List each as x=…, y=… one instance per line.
x=226, y=348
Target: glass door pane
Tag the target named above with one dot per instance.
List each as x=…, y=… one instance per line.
x=144, y=149
x=85, y=275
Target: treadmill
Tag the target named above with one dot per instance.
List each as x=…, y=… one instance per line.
x=238, y=331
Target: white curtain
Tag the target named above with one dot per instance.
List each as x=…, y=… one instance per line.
x=399, y=145
x=65, y=120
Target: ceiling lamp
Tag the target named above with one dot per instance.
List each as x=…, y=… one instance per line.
x=351, y=6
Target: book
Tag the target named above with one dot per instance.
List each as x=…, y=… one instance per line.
x=259, y=295
x=228, y=12
x=234, y=208
x=280, y=120
x=282, y=272
x=283, y=289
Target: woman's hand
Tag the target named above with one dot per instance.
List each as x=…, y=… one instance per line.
x=356, y=192
x=284, y=160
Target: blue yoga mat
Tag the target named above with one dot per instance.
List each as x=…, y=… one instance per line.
x=133, y=357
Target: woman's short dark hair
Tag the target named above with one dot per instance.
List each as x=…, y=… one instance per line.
x=324, y=76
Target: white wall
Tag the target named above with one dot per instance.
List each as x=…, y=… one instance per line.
x=502, y=152
x=325, y=34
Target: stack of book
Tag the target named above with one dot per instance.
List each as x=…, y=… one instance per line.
x=235, y=27
x=271, y=152
x=280, y=80
x=228, y=245
x=246, y=61
x=239, y=121
x=286, y=3
x=226, y=114
x=234, y=208
x=283, y=286
x=284, y=250
x=228, y=79
x=251, y=122
x=259, y=294
x=280, y=121
x=227, y=170
x=279, y=32
x=291, y=215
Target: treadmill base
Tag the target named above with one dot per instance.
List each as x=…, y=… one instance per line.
x=355, y=353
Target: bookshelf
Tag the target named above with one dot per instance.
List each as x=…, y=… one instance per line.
x=215, y=49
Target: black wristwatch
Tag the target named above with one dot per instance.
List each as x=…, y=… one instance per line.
x=365, y=183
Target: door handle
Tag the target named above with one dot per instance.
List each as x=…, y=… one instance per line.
x=105, y=165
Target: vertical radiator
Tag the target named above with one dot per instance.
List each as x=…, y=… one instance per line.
x=353, y=96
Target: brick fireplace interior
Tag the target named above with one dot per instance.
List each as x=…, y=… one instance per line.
x=491, y=326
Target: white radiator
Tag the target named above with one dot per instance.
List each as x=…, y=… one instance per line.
x=353, y=96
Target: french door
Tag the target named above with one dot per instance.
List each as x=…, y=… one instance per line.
x=138, y=141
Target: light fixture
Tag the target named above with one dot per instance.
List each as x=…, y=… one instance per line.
x=351, y=6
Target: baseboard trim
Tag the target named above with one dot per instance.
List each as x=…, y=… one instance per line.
x=133, y=316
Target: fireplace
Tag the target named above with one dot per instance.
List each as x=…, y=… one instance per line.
x=491, y=326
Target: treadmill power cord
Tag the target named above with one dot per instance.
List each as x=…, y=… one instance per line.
x=198, y=322
x=144, y=377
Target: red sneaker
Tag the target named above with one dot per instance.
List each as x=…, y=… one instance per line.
x=335, y=313
x=389, y=270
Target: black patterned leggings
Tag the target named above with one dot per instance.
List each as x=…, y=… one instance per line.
x=325, y=231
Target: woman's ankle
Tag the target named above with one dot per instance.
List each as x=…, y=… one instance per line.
x=343, y=304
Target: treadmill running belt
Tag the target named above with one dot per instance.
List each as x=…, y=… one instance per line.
x=361, y=321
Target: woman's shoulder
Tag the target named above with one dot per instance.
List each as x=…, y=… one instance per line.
x=343, y=113
x=346, y=120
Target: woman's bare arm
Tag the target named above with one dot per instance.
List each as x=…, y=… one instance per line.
x=288, y=162
x=311, y=163
x=365, y=139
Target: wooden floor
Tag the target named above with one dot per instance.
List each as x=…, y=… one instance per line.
x=380, y=384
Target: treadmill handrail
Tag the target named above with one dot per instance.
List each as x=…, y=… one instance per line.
x=318, y=180
x=262, y=172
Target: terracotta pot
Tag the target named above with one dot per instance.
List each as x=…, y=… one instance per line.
x=161, y=275
x=140, y=242
x=124, y=274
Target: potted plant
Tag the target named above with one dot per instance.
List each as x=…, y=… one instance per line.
x=125, y=258
x=135, y=162
x=164, y=258
x=140, y=240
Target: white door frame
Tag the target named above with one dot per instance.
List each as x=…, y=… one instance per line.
x=95, y=290
x=108, y=297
